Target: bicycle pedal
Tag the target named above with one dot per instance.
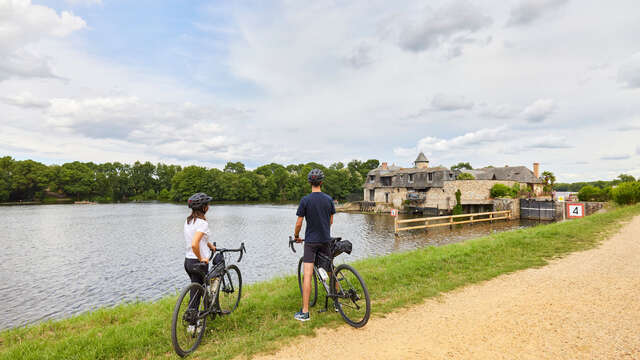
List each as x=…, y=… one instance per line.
x=322, y=311
x=225, y=312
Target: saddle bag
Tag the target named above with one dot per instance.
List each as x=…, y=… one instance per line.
x=341, y=246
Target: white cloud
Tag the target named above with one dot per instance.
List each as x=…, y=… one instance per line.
x=25, y=100
x=429, y=28
x=23, y=24
x=444, y=102
x=629, y=73
x=546, y=142
x=615, y=157
x=169, y=129
x=529, y=11
x=539, y=110
x=84, y=2
x=501, y=111
x=432, y=144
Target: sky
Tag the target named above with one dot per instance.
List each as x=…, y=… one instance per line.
x=207, y=82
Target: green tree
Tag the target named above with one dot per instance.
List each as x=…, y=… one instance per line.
x=626, y=193
x=549, y=180
x=6, y=184
x=466, y=176
x=500, y=191
x=28, y=180
x=461, y=165
x=234, y=167
x=457, y=209
x=76, y=179
x=626, y=178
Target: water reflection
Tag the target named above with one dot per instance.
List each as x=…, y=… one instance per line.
x=59, y=260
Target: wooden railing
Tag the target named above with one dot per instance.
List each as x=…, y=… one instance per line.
x=450, y=220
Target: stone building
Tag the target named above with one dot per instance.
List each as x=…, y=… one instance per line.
x=424, y=187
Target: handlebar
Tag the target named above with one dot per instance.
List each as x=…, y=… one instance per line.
x=291, y=242
x=241, y=250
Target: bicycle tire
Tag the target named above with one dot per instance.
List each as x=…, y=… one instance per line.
x=229, y=286
x=346, y=275
x=179, y=332
x=313, y=297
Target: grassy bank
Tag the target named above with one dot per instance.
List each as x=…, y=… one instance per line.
x=264, y=320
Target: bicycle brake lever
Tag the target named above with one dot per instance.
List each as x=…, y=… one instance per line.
x=242, y=250
x=291, y=241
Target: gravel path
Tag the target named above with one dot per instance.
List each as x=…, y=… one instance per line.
x=584, y=306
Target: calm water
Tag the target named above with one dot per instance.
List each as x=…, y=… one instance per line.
x=59, y=260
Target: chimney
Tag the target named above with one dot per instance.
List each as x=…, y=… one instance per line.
x=384, y=166
x=536, y=170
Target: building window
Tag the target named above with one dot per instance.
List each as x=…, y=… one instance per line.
x=372, y=179
x=410, y=178
x=430, y=176
x=450, y=176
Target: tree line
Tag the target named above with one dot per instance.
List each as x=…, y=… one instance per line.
x=601, y=190
x=29, y=180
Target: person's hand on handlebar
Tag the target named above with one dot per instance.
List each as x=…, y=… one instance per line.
x=204, y=260
x=297, y=238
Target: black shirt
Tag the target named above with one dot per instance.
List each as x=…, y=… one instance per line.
x=317, y=209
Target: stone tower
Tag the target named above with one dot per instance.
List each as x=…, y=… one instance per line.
x=421, y=161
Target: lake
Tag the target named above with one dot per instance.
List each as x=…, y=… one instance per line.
x=60, y=260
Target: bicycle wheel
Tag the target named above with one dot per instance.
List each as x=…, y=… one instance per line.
x=313, y=297
x=230, y=290
x=188, y=325
x=352, y=300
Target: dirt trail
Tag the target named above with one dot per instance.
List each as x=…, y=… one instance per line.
x=584, y=306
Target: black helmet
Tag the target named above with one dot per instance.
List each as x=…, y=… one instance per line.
x=198, y=200
x=315, y=176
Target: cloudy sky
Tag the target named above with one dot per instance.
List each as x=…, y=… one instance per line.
x=198, y=82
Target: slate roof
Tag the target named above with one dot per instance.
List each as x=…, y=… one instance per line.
x=514, y=173
x=421, y=158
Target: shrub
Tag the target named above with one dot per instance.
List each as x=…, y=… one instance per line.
x=589, y=193
x=466, y=176
x=626, y=193
x=457, y=210
x=501, y=190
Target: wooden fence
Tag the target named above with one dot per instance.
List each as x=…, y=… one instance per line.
x=435, y=221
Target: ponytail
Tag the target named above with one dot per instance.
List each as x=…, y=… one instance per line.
x=196, y=214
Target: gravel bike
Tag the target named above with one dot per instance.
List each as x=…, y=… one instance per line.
x=218, y=295
x=345, y=286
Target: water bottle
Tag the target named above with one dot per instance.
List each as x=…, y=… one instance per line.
x=214, y=286
x=323, y=274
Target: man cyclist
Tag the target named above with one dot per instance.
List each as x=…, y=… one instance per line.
x=317, y=209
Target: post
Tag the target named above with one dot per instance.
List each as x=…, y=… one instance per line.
x=450, y=222
x=395, y=224
x=471, y=220
x=491, y=217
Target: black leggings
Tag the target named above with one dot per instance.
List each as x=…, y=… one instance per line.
x=197, y=271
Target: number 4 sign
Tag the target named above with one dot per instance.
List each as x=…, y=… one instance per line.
x=575, y=211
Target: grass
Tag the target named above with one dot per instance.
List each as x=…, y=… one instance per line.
x=264, y=319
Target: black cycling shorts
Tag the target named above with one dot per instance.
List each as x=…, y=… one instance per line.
x=311, y=249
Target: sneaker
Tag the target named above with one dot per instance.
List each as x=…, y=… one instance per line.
x=300, y=316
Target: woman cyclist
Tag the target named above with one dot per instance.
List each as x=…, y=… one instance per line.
x=197, y=245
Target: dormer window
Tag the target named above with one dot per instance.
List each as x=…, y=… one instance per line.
x=430, y=176
x=410, y=178
x=372, y=179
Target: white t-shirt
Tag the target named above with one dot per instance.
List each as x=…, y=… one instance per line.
x=190, y=231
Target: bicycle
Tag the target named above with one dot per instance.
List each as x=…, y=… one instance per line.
x=346, y=287
x=219, y=295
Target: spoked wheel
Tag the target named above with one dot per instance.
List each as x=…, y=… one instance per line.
x=352, y=300
x=230, y=290
x=314, y=283
x=187, y=325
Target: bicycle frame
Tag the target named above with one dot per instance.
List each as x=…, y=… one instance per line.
x=219, y=270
